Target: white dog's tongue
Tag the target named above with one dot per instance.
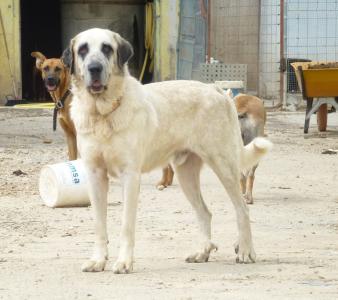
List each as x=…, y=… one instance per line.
x=96, y=83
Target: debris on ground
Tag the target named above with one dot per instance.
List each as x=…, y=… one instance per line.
x=329, y=151
x=19, y=173
x=47, y=141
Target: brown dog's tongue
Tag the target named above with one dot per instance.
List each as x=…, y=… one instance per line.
x=51, y=87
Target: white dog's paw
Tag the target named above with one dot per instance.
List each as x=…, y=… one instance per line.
x=94, y=266
x=161, y=187
x=245, y=253
x=202, y=256
x=123, y=267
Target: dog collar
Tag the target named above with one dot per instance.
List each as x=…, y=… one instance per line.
x=58, y=105
x=116, y=103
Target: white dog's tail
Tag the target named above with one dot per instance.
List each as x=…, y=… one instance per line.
x=254, y=151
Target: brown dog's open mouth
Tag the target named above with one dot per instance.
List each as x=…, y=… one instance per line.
x=51, y=87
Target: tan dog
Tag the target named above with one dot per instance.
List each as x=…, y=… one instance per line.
x=56, y=78
x=252, y=118
x=167, y=178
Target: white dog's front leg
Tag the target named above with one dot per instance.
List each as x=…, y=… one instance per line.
x=131, y=188
x=98, y=189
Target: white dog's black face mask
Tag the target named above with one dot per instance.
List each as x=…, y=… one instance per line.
x=96, y=54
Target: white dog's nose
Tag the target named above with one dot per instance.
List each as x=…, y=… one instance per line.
x=95, y=68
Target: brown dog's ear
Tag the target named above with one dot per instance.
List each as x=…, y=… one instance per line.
x=40, y=58
x=124, y=52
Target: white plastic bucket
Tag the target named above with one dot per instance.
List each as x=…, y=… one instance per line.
x=64, y=184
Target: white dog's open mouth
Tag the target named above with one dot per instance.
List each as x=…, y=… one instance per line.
x=96, y=86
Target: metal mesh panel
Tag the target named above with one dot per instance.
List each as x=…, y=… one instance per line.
x=292, y=84
x=311, y=29
x=269, y=53
x=234, y=35
x=311, y=33
x=218, y=71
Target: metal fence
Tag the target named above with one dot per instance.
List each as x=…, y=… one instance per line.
x=235, y=35
x=269, y=53
x=310, y=34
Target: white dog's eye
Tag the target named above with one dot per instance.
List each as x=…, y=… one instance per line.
x=83, y=50
x=107, y=50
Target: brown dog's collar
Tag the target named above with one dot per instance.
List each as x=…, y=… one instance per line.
x=61, y=102
x=58, y=105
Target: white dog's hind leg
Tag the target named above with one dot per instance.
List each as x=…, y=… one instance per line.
x=188, y=175
x=98, y=189
x=131, y=189
x=229, y=175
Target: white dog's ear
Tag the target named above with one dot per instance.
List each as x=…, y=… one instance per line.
x=124, y=52
x=67, y=57
x=40, y=58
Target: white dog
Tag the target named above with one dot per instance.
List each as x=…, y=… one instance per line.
x=125, y=128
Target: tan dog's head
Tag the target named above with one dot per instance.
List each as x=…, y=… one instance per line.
x=95, y=55
x=53, y=70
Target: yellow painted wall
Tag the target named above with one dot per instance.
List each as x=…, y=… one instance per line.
x=10, y=11
x=166, y=36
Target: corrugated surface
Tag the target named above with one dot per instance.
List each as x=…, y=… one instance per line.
x=191, y=44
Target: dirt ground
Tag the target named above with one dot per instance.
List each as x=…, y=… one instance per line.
x=294, y=224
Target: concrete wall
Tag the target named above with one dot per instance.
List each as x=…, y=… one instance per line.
x=10, y=10
x=235, y=35
x=81, y=15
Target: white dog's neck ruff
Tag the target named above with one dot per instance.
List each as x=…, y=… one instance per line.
x=106, y=115
x=111, y=99
x=104, y=103
x=107, y=106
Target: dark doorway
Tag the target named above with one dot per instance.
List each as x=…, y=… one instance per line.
x=40, y=31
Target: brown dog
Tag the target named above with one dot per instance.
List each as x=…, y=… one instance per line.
x=252, y=118
x=56, y=77
x=167, y=178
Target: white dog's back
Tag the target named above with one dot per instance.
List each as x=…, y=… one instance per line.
x=189, y=115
